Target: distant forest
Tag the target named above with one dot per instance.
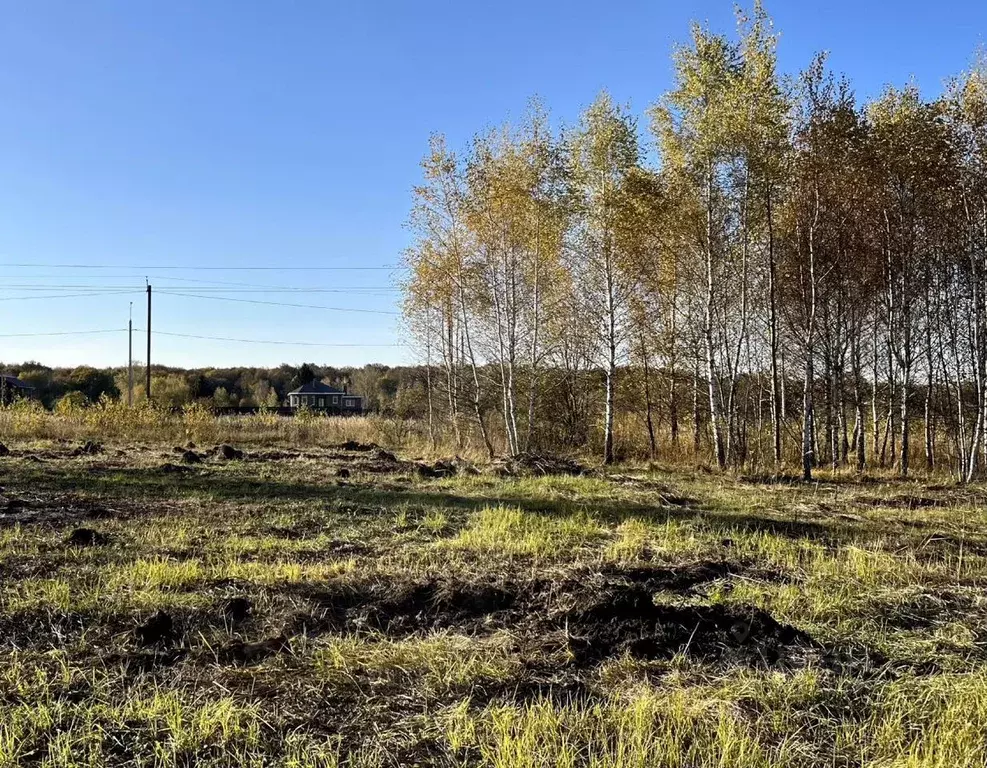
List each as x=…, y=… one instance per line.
x=768, y=272
x=385, y=390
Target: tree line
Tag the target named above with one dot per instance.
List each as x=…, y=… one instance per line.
x=389, y=390
x=795, y=278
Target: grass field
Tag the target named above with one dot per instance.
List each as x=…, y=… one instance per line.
x=323, y=607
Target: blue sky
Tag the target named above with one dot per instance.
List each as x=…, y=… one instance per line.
x=178, y=133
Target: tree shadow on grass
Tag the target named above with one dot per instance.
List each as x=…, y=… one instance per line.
x=135, y=484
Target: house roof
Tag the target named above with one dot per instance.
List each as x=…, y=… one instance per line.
x=13, y=381
x=317, y=388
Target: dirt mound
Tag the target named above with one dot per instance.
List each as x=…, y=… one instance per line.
x=431, y=605
x=4, y=450
x=404, y=608
x=160, y=628
x=445, y=468
x=228, y=452
x=86, y=537
x=239, y=652
x=88, y=448
x=597, y=616
x=679, y=578
x=379, y=454
x=237, y=610
x=191, y=457
x=353, y=445
x=174, y=469
x=376, y=452
x=539, y=465
x=628, y=621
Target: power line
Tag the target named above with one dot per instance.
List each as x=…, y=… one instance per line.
x=227, y=282
x=199, y=289
x=62, y=333
x=69, y=295
x=265, y=341
x=197, y=267
x=281, y=303
x=194, y=336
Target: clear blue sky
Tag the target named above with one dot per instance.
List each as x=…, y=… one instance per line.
x=247, y=133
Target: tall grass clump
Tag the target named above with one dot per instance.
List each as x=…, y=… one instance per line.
x=148, y=422
x=654, y=728
x=514, y=531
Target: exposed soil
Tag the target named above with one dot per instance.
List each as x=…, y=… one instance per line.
x=89, y=448
x=597, y=615
x=227, y=452
x=629, y=621
x=191, y=457
x=86, y=537
x=239, y=652
x=538, y=465
x=52, y=510
x=160, y=628
x=174, y=469
x=237, y=610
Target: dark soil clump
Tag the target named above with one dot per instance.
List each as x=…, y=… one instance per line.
x=445, y=468
x=89, y=448
x=629, y=621
x=86, y=537
x=539, y=465
x=4, y=450
x=433, y=605
x=160, y=628
x=237, y=610
x=353, y=445
x=239, y=652
x=379, y=454
x=191, y=457
x=228, y=452
x=174, y=469
x=438, y=469
x=676, y=579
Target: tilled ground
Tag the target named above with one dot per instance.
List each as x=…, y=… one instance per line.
x=345, y=596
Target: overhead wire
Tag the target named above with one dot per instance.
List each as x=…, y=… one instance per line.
x=209, y=289
x=267, y=341
x=70, y=295
x=62, y=333
x=197, y=267
x=281, y=303
x=195, y=336
x=198, y=289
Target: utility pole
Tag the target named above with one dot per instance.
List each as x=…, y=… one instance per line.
x=130, y=358
x=147, y=384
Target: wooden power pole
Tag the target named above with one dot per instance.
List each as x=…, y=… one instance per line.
x=130, y=357
x=147, y=383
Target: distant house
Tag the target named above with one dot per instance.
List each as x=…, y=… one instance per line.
x=12, y=388
x=321, y=397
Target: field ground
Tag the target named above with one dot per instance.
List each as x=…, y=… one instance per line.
x=327, y=606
